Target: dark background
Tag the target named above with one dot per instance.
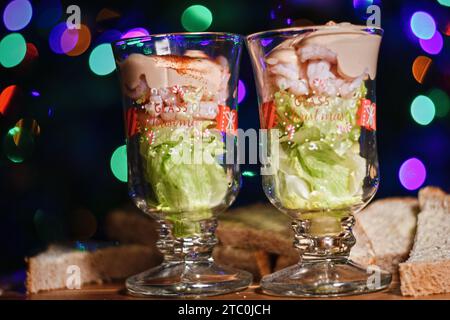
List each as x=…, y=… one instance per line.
x=66, y=181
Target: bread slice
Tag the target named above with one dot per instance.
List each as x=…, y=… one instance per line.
x=257, y=262
x=129, y=225
x=53, y=268
x=385, y=232
x=259, y=227
x=427, y=271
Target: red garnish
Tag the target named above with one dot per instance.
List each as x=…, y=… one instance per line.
x=366, y=115
x=268, y=117
x=227, y=120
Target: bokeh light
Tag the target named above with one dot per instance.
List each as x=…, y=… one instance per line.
x=69, y=39
x=48, y=13
x=135, y=32
x=423, y=25
x=241, y=91
x=17, y=15
x=107, y=14
x=5, y=98
x=362, y=4
x=108, y=36
x=101, y=60
x=55, y=37
x=412, y=174
x=423, y=110
x=83, y=40
x=35, y=93
x=29, y=124
x=249, y=174
x=196, y=18
x=444, y=2
x=420, y=68
x=119, y=166
x=433, y=45
x=12, y=50
x=32, y=52
x=18, y=144
x=441, y=102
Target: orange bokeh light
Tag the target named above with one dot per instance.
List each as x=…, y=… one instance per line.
x=420, y=68
x=83, y=43
x=5, y=98
x=107, y=14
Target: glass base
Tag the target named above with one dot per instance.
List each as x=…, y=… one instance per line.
x=180, y=279
x=325, y=278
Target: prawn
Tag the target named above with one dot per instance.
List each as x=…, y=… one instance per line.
x=316, y=52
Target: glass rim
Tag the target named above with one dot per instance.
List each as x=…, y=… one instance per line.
x=227, y=35
x=261, y=34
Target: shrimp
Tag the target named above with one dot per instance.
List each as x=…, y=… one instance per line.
x=289, y=71
x=316, y=52
x=347, y=88
x=299, y=87
x=321, y=79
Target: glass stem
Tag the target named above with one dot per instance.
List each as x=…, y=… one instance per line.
x=166, y=242
x=199, y=247
x=191, y=249
x=324, y=237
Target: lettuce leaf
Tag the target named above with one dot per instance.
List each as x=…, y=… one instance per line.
x=185, y=191
x=320, y=166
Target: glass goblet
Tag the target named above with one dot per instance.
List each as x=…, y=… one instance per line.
x=179, y=97
x=316, y=92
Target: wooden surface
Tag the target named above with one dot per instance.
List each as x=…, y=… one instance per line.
x=116, y=291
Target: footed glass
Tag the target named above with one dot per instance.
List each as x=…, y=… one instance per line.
x=180, y=97
x=316, y=92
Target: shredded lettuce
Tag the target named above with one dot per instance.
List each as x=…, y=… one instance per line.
x=185, y=191
x=320, y=166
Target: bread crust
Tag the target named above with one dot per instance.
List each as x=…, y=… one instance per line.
x=420, y=275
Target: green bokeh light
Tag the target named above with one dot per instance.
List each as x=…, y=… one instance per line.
x=196, y=18
x=101, y=60
x=441, y=102
x=18, y=144
x=423, y=110
x=13, y=48
x=444, y=2
x=250, y=174
x=119, y=166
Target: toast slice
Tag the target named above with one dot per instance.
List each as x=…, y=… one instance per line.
x=258, y=226
x=62, y=266
x=129, y=225
x=257, y=262
x=427, y=271
x=385, y=232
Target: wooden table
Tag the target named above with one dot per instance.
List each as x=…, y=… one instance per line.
x=116, y=291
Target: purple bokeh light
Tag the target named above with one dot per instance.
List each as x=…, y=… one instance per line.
x=55, y=36
x=362, y=4
x=412, y=174
x=135, y=32
x=17, y=15
x=241, y=91
x=433, y=45
x=35, y=93
x=423, y=25
x=266, y=42
x=69, y=40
